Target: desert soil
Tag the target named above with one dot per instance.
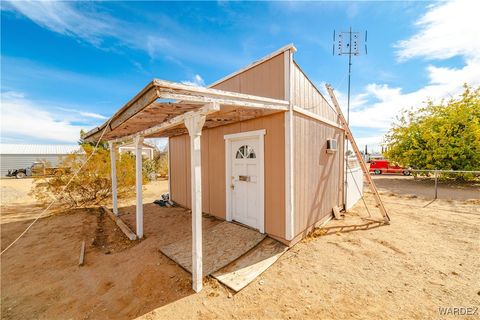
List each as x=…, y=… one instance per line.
x=427, y=258
x=425, y=187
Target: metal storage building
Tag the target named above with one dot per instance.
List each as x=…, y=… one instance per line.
x=16, y=156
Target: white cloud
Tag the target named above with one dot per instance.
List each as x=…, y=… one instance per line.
x=443, y=83
x=448, y=29
x=374, y=143
x=196, y=81
x=83, y=113
x=64, y=18
x=21, y=117
x=87, y=22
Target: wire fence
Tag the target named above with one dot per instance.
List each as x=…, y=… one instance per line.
x=458, y=185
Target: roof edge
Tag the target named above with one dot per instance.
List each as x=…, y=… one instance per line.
x=289, y=46
x=313, y=84
x=119, y=111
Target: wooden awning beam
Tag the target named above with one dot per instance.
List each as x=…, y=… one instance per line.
x=219, y=94
x=180, y=119
x=183, y=95
x=168, y=94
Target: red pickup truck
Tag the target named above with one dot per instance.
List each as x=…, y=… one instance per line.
x=383, y=166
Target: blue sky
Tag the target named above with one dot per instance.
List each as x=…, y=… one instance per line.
x=70, y=65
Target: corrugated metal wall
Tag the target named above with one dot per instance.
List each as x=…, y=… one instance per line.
x=18, y=161
x=213, y=169
x=305, y=95
x=318, y=176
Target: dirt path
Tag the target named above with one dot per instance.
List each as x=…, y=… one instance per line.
x=427, y=258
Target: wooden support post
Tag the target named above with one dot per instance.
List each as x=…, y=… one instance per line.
x=194, y=125
x=114, y=177
x=138, y=179
x=169, y=171
x=363, y=165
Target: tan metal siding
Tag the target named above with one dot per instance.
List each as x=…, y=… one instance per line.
x=306, y=96
x=266, y=80
x=213, y=169
x=318, y=176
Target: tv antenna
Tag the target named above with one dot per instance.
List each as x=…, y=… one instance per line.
x=348, y=43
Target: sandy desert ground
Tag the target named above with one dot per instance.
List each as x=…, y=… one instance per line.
x=425, y=187
x=427, y=258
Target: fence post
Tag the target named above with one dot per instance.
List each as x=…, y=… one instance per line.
x=436, y=184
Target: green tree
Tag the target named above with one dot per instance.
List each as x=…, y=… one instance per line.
x=444, y=136
x=82, y=142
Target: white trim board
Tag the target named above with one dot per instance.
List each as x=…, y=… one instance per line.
x=286, y=74
x=255, y=63
x=289, y=163
x=289, y=183
x=169, y=171
x=260, y=135
x=316, y=117
x=246, y=134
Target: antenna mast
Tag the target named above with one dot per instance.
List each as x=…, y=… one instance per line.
x=348, y=43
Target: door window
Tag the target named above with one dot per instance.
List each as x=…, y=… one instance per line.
x=245, y=152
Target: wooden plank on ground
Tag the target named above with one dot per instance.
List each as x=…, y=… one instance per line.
x=82, y=254
x=336, y=213
x=125, y=229
x=238, y=274
x=222, y=244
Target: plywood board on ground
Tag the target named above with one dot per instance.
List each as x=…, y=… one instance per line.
x=222, y=244
x=238, y=274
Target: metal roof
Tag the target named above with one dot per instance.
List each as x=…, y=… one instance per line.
x=38, y=148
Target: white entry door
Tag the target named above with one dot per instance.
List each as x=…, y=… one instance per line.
x=245, y=179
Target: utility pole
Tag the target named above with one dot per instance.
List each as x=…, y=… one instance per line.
x=347, y=43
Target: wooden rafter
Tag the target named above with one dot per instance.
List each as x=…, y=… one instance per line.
x=149, y=108
x=180, y=119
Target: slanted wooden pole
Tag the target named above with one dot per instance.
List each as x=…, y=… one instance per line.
x=194, y=125
x=114, y=178
x=138, y=179
x=361, y=161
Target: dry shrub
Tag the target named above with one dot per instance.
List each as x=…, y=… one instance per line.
x=158, y=166
x=92, y=186
x=162, y=164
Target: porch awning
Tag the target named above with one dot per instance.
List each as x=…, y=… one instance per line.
x=159, y=110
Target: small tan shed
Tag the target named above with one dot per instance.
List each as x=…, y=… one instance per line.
x=301, y=185
x=261, y=147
